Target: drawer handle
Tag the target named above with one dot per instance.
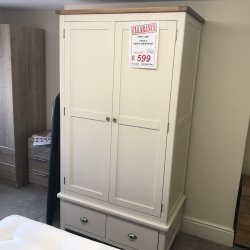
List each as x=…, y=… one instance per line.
x=132, y=236
x=42, y=174
x=84, y=220
x=39, y=159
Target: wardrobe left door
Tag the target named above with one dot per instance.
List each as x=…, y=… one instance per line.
x=89, y=55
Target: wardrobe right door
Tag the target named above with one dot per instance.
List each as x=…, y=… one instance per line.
x=141, y=102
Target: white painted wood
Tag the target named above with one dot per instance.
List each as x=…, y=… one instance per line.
x=141, y=101
x=88, y=101
x=85, y=219
x=89, y=51
x=63, y=154
x=62, y=120
x=180, y=158
x=139, y=122
x=96, y=237
x=116, y=210
x=91, y=115
x=174, y=178
x=89, y=174
x=166, y=239
x=128, y=168
x=62, y=214
x=183, y=111
x=137, y=153
x=119, y=231
x=172, y=115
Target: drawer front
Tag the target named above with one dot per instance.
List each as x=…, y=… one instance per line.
x=38, y=177
x=7, y=155
x=244, y=204
x=38, y=164
x=38, y=151
x=85, y=219
x=132, y=235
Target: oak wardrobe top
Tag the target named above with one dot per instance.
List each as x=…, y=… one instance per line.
x=187, y=9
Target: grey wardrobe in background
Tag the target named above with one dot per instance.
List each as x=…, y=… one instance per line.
x=22, y=97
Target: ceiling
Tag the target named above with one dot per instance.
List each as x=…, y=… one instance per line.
x=59, y=4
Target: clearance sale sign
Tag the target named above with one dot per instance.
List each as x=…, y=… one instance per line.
x=143, y=44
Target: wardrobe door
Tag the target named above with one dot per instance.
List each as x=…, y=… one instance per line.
x=141, y=107
x=89, y=55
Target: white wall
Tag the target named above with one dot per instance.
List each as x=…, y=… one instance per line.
x=221, y=110
x=49, y=21
x=220, y=120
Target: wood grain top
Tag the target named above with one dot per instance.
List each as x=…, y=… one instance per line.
x=187, y=9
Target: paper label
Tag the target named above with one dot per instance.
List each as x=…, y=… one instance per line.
x=41, y=140
x=143, y=44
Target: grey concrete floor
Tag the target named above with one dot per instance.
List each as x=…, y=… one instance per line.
x=30, y=201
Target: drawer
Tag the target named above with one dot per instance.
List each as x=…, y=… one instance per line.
x=38, y=177
x=7, y=155
x=38, y=164
x=244, y=222
x=244, y=204
x=132, y=235
x=242, y=237
x=85, y=219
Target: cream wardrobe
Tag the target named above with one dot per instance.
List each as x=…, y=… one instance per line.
x=125, y=131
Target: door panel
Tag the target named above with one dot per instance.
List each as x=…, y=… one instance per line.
x=141, y=106
x=89, y=53
x=135, y=162
x=89, y=156
x=91, y=60
x=141, y=94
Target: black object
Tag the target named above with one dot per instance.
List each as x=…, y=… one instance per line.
x=54, y=164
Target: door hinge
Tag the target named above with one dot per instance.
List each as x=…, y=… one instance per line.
x=64, y=111
x=168, y=128
x=63, y=33
x=64, y=180
x=161, y=207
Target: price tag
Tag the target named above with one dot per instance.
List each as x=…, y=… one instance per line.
x=42, y=140
x=143, y=44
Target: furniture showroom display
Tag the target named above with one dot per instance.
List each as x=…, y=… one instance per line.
x=125, y=130
x=20, y=233
x=22, y=97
